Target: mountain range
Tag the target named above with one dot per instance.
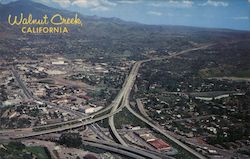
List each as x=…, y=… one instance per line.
x=116, y=35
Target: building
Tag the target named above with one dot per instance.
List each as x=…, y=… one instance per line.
x=59, y=61
x=40, y=92
x=159, y=144
x=147, y=137
x=136, y=128
x=55, y=72
x=92, y=110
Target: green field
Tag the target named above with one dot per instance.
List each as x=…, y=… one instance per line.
x=39, y=152
x=124, y=117
x=17, y=150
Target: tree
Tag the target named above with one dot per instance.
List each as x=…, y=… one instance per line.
x=71, y=139
x=16, y=145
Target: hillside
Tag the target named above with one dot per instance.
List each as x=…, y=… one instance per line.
x=106, y=36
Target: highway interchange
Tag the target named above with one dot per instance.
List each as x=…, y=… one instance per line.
x=121, y=101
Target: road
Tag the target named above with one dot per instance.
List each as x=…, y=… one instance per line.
x=115, y=102
x=121, y=99
x=96, y=129
x=129, y=83
x=26, y=92
x=141, y=108
x=160, y=130
x=139, y=152
x=113, y=149
x=25, y=134
x=30, y=95
x=127, y=87
x=187, y=148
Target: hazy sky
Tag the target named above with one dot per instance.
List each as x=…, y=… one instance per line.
x=232, y=14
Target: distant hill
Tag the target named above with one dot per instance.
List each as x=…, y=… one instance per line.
x=38, y=9
x=114, y=35
x=26, y=7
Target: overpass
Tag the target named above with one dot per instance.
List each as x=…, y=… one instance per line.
x=121, y=99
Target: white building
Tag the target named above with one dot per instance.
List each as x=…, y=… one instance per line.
x=92, y=110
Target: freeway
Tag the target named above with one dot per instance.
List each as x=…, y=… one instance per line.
x=187, y=148
x=79, y=125
x=125, y=102
x=179, y=53
x=96, y=129
x=30, y=95
x=24, y=134
x=114, y=103
x=138, y=151
x=121, y=99
x=26, y=92
x=121, y=93
x=141, y=108
x=113, y=149
x=129, y=82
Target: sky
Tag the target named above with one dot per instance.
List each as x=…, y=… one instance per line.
x=231, y=14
